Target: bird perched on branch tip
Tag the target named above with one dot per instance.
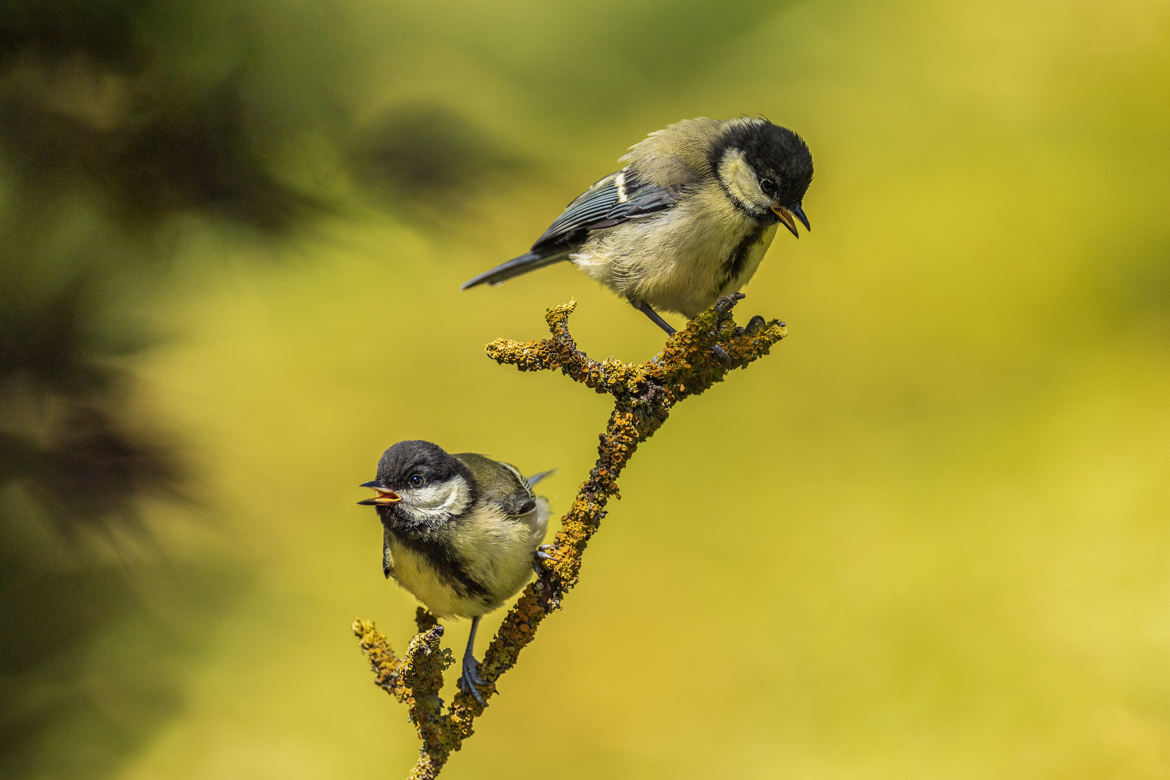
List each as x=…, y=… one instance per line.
x=461, y=532
x=686, y=221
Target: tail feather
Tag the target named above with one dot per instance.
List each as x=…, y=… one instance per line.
x=514, y=267
x=538, y=477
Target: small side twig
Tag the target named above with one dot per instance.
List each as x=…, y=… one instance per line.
x=644, y=395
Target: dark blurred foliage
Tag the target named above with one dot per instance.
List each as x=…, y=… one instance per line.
x=152, y=146
x=93, y=112
x=58, y=29
x=426, y=160
x=107, y=137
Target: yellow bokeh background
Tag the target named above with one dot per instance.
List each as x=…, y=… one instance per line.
x=927, y=537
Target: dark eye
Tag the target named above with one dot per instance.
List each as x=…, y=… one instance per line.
x=768, y=187
x=417, y=480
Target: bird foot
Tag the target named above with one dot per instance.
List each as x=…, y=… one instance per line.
x=542, y=554
x=754, y=324
x=470, y=681
x=723, y=307
x=727, y=302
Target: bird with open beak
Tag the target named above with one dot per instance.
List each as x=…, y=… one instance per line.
x=686, y=221
x=462, y=532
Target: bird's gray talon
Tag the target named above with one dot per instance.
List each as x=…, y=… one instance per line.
x=470, y=681
x=755, y=324
x=727, y=302
x=542, y=554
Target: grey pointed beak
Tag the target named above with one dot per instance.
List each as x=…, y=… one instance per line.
x=789, y=214
x=383, y=495
x=798, y=212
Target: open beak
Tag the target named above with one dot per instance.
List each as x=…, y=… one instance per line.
x=789, y=214
x=382, y=497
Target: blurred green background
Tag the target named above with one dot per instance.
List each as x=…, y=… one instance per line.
x=927, y=537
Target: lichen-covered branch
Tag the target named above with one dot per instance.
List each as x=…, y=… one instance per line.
x=644, y=395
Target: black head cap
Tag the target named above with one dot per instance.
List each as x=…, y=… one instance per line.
x=407, y=462
x=774, y=153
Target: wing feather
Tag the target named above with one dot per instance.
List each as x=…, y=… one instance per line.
x=617, y=198
x=500, y=483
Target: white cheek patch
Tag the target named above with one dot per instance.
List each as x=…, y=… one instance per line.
x=438, y=500
x=740, y=180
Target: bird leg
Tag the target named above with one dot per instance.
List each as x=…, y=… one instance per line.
x=470, y=681
x=656, y=318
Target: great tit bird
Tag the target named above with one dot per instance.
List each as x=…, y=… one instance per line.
x=687, y=220
x=461, y=532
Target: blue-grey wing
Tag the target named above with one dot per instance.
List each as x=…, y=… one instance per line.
x=619, y=197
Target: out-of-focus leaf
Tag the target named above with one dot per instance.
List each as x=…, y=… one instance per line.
x=425, y=158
